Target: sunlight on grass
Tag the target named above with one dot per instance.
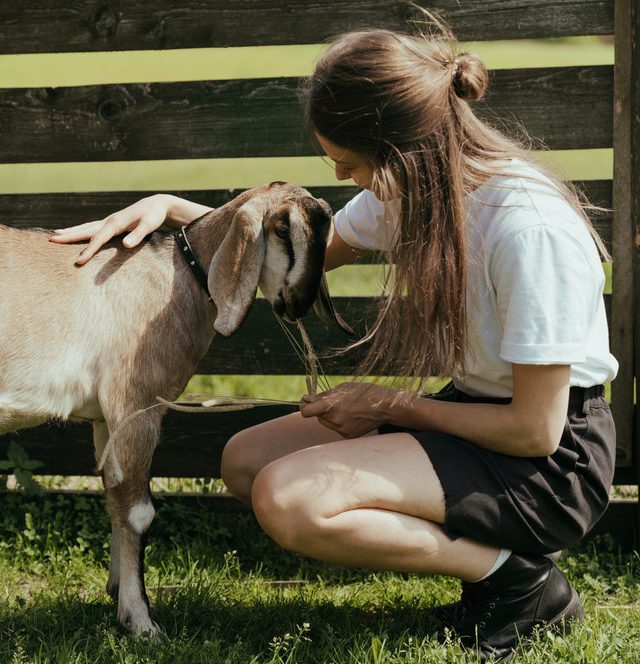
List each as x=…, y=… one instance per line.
x=224, y=592
x=68, y=69
x=356, y=280
x=186, y=174
x=288, y=388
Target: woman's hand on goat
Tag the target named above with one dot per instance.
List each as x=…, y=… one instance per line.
x=138, y=220
x=351, y=409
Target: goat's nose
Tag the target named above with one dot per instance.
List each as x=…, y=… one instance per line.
x=281, y=309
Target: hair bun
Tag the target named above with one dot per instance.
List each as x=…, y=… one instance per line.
x=470, y=77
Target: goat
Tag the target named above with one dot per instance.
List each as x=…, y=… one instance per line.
x=101, y=341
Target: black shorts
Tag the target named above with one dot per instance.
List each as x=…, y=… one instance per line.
x=527, y=504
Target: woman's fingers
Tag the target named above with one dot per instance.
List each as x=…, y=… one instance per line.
x=139, y=219
x=76, y=233
x=100, y=238
x=112, y=226
x=97, y=232
x=314, y=406
x=146, y=224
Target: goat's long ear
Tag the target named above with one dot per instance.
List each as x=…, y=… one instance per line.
x=235, y=269
x=323, y=306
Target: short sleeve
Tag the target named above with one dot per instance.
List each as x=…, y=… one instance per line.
x=366, y=223
x=547, y=286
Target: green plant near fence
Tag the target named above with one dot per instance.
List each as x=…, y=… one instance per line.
x=19, y=465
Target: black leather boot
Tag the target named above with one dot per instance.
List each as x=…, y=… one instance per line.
x=496, y=613
x=446, y=614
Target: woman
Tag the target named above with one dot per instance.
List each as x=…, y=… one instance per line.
x=497, y=282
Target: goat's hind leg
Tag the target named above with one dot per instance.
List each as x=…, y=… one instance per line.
x=111, y=475
x=131, y=510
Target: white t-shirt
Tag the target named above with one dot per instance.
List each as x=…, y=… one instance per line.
x=534, y=280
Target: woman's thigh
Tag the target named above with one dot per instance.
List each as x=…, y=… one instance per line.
x=387, y=472
x=250, y=450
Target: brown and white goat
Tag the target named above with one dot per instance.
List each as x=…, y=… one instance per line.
x=100, y=341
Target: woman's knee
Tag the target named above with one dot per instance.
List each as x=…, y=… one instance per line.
x=250, y=450
x=282, y=508
x=235, y=466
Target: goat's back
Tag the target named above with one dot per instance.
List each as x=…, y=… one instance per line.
x=70, y=332
x=43, y=294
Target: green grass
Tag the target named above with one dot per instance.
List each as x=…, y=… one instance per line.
x=212, y=583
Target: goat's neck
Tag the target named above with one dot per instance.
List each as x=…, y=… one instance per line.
x=206, y=234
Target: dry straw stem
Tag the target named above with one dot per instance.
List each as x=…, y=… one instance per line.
x=311, y=361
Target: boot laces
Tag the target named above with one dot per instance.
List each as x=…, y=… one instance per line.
x=476, y=605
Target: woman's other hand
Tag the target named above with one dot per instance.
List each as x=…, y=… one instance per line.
x=351, y=409
x=138, y=220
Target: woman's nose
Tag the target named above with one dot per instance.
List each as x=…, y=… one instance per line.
x=342, y=173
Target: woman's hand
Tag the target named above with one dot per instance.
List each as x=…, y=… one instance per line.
x=351, y=409
x=137, y=220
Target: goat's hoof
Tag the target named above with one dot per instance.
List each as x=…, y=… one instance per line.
x=143, y=628
x=113, y=589
x=153, y=634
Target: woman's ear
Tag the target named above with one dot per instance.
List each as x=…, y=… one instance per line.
x=235, y=269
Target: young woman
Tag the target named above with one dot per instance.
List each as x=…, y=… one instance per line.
x=497, y=282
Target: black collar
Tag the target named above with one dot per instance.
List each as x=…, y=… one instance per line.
x=185, y=249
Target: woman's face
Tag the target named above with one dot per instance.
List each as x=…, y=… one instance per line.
x=348, y=164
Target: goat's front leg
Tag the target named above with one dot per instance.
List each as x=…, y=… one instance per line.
x=113, y=583
x=133, y=603
x=129, y=504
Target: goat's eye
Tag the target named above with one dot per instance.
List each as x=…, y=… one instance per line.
x=282, y=231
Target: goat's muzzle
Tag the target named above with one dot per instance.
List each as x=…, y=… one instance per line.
x=290, y=308
x=284, y=308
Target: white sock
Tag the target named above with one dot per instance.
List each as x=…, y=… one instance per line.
x=499, y=562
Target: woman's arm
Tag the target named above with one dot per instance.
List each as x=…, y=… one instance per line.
x=149, y=213
x=339, y=252
x=531, y=425
x=139, y=219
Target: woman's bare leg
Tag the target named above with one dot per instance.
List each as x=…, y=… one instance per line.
x=250, y=450
x=371, y=502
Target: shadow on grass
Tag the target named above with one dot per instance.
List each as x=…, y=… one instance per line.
x=199, y=627
x=224, y=609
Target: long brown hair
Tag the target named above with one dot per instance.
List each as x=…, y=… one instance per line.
x=402, y=103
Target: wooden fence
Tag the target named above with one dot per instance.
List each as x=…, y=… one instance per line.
x=575, y=107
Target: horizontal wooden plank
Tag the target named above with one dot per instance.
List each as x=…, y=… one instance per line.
x=85, y=25
x=260, y=347
x=564, y=107
x=191, y=444
x=67, y=209
x=558, y=106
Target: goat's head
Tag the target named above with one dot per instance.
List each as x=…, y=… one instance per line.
x=276, y=240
